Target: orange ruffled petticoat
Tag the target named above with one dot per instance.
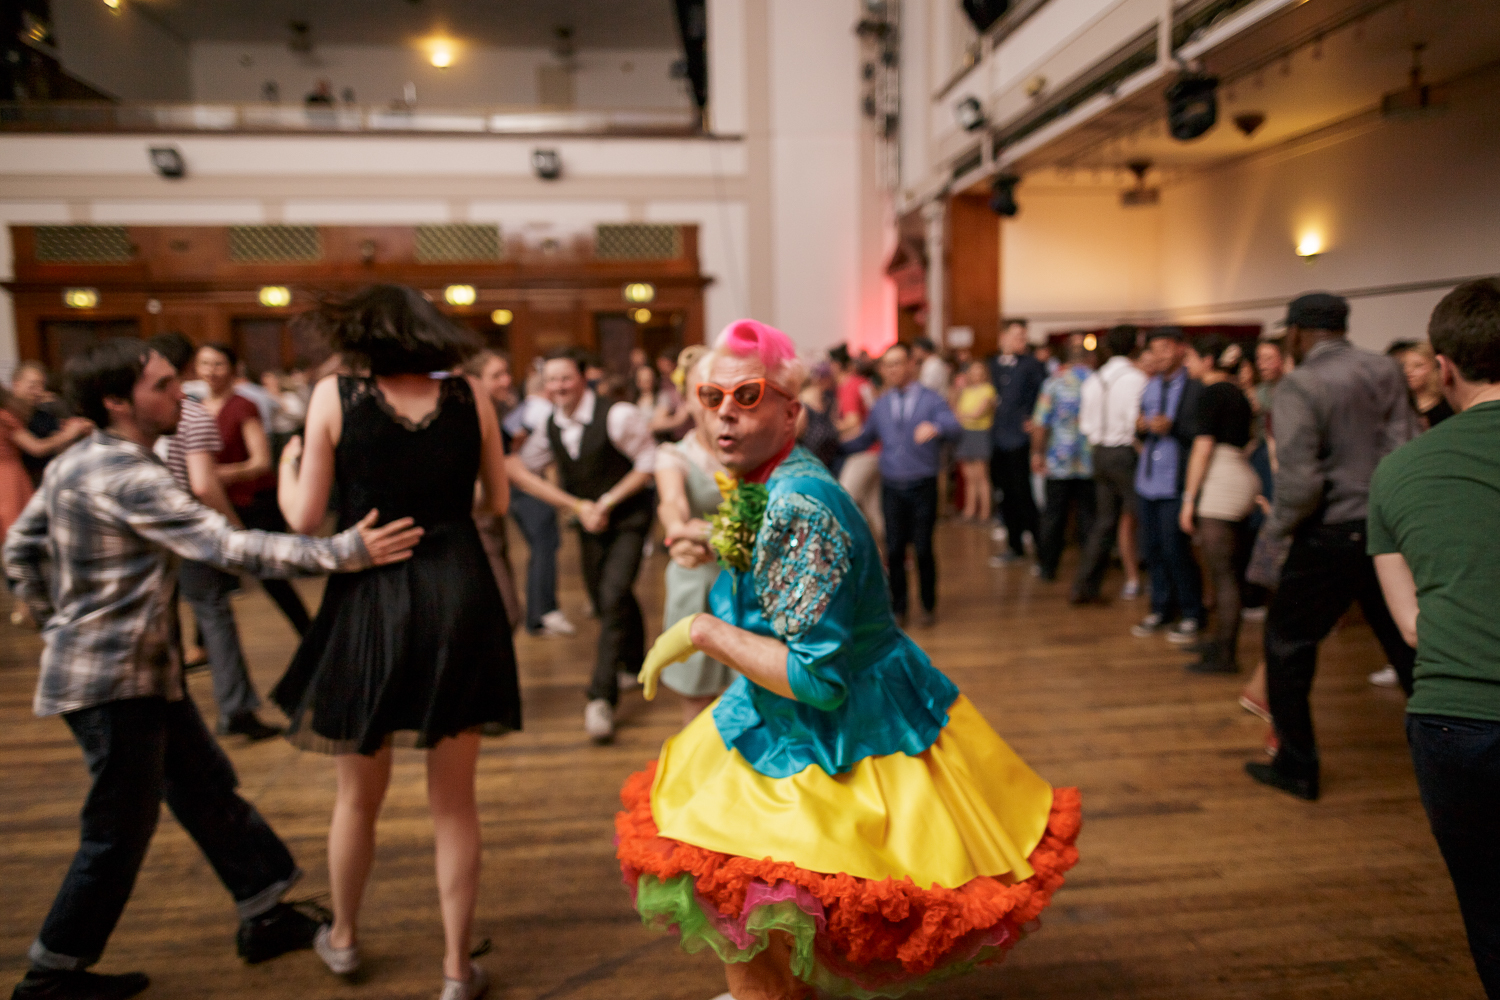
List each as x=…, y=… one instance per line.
x=873, y=938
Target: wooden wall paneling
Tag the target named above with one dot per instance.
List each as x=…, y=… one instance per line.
x=973, y=271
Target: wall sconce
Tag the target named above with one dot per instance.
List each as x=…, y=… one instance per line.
x=1090, y=342
x=168, y=162
x=641, y=316
x=81, y=298
x=1309, y=246
x=441, y=57
x=275, y=296
x=640, y=292
x=502, y=317
x=459, y=295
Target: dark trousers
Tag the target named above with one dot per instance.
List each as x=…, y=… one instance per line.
x=1114, y=494
x=1325, y=572
x=263, y=514
x=1176, y=587
x=910, y=510
x=1010, y=473
x=206, y=589
x=611, y=560
x=138, y=752
x=1064, y=496
x=1458, y=773
x=537, y=520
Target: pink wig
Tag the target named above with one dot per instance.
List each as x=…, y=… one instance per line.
x=746, y=338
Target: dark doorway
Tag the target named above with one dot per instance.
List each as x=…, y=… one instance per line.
x=61, y=339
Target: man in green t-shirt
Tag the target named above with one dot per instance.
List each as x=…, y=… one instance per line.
x=1434, y=531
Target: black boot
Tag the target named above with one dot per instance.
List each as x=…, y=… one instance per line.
x=1268, y=774
x=247, y=725
x=281, y=929
x=1216, y=658
x=57, y=984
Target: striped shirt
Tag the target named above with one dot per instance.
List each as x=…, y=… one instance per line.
x=112, y=525
x=197, y=430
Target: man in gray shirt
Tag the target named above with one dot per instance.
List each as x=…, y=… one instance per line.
x=1335, y=416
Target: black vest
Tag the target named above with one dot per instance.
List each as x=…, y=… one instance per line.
x=598, y=467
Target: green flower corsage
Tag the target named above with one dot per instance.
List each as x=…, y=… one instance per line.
x=737, y=521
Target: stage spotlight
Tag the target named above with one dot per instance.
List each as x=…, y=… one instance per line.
x=969, y=114
x=1003, y=195
x=168, y=162
x=1192, y=106
x=546, y=163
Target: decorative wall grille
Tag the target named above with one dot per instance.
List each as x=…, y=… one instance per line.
x=274, y=244
x=458, y=242
x=83, y=245
x=637, y=241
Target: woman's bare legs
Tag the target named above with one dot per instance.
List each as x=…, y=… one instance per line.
x=455, y=824
x=976, y=491
x=1130, y=553
x=767, y=976
x=693, y=705
x=1255, y=688
x=362, y=783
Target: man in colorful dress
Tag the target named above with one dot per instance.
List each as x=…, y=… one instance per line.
x=1060, y=452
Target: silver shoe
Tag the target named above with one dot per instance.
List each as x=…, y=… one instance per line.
x=340, y=961
x=470, y=989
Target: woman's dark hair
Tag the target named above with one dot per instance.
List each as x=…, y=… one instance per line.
x=1465, y=329
x=230, y=354
x=108, y=368
x=395, y=330
x=1216, y=348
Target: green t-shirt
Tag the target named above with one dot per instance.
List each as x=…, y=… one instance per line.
x=1437, y=502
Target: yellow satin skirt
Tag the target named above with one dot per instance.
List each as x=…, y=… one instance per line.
x=966, y=806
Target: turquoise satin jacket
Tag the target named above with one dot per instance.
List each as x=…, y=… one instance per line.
x=817, y=584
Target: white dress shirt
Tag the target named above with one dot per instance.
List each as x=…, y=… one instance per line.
x=628, y=428
x=531, y=419
x=1111, y=404
x=936, y=375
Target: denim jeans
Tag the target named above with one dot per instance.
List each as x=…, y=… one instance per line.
x=910, y=510
x=1176, y=587
x=537, y=520
x=138, y=752
x=1458, y=773
x=206, y=589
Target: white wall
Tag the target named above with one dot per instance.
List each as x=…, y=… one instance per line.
x=122, y=53
x=615, y=78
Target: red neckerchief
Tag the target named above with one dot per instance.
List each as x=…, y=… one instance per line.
x=763, y=472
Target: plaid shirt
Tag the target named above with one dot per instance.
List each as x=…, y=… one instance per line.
x=107, y=527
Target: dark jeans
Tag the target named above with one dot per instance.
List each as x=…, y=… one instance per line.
x=910, y=510
x=611, y=560
x=206, y=589
x=1010, y=473
x=1458, y=773
x=537, y=520
x=138, y=752
x=1325, y=572
x=1114, y=494
x=1064, y=496
x=263, y=514
x=1176, y=587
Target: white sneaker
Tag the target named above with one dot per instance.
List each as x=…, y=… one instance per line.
x=1385, y=677
x=470, y=989
x=998, y=533
x=556, y=623
x=340, y=961
x=1130, y=591
x=599, y=720
x=1253, y=614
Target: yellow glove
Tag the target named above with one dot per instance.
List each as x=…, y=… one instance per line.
x=672, y=646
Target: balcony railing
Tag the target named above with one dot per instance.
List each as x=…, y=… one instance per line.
x=100, y=116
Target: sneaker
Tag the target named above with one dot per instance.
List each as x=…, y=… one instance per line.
x=1259, y=709
x=283, y=928
x=1385, y=677
x=340, y=961
x=1304, y=788
x=1148, y=626
x=1273, y=742
x=599, y=720
x=467, y=989
x=556, y=623
x=58, y=984
x=626, y=680
x=1130, y=591
x=998, y=533
x=1184, y=633
x=1253, y=614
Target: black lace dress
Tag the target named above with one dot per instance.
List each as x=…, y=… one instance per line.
x=419, y=650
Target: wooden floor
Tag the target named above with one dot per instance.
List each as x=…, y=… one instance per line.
x=1193, y=882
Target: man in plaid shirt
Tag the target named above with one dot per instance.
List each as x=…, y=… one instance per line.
x=95, y=556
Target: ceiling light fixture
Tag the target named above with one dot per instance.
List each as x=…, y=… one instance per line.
x=640, y=292
x=459, y=295
x=275, y=296
x=81, y=298
x=641, y=316
x=969, y=114
x=1309, y=246
x=441, y=57
x=112, y=4
x=502, y=317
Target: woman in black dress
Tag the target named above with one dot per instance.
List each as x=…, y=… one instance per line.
x=419, y=653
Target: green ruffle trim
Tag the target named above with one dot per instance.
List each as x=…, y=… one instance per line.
x=673, y=904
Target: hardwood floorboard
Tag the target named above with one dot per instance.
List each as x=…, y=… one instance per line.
x=1193, y=882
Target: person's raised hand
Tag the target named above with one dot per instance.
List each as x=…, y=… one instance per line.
x=77, y=427
x=688, y=553
x=925, y=431
x=389, y=543
x=672, y=646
